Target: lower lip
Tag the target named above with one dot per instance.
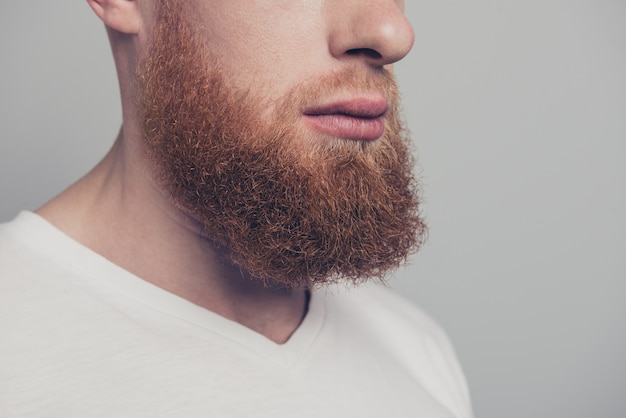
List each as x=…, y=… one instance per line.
x=348, y=127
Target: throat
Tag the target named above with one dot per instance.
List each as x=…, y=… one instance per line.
x=276, y=318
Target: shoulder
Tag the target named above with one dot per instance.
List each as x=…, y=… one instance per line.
x=383, y=317
x=401, y=330
x=15, y=251
x=31, y=275
x=383, y=305
x=23, y=243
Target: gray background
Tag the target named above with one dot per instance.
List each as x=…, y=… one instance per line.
x=519, y=113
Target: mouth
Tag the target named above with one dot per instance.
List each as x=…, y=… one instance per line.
x=357, y=119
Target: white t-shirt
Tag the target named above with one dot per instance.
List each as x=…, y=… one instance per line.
x=81, y=337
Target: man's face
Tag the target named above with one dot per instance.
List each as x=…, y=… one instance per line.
x=290, y=156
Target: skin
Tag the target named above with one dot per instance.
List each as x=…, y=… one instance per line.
x=117, y=209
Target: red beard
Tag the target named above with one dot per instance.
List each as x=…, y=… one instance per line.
x=290, y=207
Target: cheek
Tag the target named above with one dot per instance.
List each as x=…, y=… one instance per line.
x=277, y=47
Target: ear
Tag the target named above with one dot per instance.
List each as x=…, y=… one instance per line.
x=122, y=15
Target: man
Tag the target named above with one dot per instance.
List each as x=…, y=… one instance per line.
x=192, y=272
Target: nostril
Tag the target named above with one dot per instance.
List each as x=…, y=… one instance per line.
x=368, y=52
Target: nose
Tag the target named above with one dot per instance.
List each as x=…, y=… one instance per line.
x=376, y=31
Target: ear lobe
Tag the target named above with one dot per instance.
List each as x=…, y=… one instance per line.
x=122, y=15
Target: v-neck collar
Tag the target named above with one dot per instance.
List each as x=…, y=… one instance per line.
x=101, y=272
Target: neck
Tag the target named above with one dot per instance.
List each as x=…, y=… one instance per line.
x=118, y=211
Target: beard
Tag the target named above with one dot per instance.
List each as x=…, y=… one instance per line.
x=284, y=204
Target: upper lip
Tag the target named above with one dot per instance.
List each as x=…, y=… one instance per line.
x=365, y=108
